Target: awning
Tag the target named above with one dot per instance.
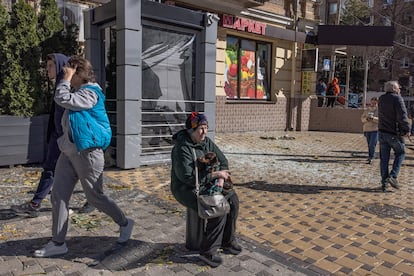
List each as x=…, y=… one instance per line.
x=355, y=35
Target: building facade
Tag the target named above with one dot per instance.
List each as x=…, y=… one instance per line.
x=237, y=61
x=397, y=63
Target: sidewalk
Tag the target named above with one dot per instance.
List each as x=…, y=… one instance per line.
x=309, y=206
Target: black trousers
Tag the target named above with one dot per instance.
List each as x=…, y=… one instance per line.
x=331, y=101
x=220, y=231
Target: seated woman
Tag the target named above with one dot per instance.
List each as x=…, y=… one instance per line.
x=219, y=232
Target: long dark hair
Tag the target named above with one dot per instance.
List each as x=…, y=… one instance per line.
x=83, y=67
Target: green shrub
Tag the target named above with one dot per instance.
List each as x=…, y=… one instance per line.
x=25, y=40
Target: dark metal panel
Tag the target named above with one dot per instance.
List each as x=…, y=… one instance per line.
x=104, y=13
x=285, y=34
x=172, y=14
x=222, y=6
x=355, y=35
x=22, y=140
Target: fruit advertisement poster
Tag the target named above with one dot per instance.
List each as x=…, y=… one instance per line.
x=248, y=75
x=246, y=70
x=230, y=76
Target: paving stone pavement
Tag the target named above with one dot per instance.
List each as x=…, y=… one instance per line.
x=309, y=206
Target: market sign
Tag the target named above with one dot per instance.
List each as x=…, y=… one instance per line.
x=243, y=24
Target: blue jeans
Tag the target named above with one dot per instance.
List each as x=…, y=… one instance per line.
x=372, y=139
x=396, y=143
x=46, y=179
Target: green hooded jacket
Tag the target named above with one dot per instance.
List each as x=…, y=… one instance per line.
x=182, y=168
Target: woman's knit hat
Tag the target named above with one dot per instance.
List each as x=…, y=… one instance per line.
x=195, y=119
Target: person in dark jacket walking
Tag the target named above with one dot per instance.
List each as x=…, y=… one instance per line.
x=54, y=67
x=411, y=116
x=392, y=126
x=220, y=231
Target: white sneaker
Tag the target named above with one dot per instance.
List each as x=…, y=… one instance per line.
x=50, y=250
x=125, y=231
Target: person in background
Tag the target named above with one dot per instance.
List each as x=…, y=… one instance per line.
x=86, y=133
x=411, y=116
x=54, y=67
x=332, y=92
x=392, y=126
x=321, y=92
x=369, y=120
x=219, y=232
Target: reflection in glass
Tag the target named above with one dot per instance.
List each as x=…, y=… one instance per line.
x=109, y=36
x=168, y=85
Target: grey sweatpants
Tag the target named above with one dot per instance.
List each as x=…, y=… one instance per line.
x=87, y=167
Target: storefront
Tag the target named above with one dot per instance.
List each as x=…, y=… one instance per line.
x=157, y=63
x=259, y=75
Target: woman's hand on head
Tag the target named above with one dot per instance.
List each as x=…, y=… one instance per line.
x=68, y=72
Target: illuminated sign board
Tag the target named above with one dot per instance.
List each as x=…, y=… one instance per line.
x=243, y=24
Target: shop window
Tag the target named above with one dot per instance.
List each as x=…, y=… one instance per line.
x=384, y=63
x=386, y=21
x=332, y=8
x=405, y=61
x=406, y=39
x=407, y=18
x=168, y=84
x=247, y=69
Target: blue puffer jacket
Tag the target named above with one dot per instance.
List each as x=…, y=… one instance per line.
x=91, y=128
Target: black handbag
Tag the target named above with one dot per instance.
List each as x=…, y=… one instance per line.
x=209, y=206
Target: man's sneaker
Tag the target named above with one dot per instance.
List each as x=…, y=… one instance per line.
x=51, y=250
x=27, y=208
x=125, y=231
x=393, y=182
x=234, y=248
x=86, y=208
x=211, y=260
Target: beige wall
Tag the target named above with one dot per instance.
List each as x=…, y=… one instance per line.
x=335, y=119
x=242, y=117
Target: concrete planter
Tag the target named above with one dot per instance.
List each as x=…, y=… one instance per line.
x=335, y=119
x=22, y=140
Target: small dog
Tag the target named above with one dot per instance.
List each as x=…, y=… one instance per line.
x=209, y=163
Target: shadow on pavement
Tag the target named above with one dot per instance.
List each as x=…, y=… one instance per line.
x=357, y=155
x=8, y=214
x=300, y=189
x=103, y=252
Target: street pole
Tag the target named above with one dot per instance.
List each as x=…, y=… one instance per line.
x=348, y=74
x=333, y=56
x=366, y=63
x=289, y=125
